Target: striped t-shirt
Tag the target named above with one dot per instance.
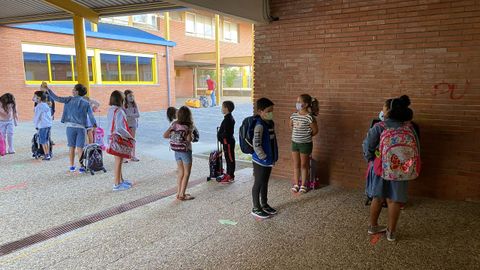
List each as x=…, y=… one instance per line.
x=302, y=132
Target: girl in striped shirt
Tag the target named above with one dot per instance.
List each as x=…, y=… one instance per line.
x=304, y=127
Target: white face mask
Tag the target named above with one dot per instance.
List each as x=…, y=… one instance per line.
x=298, y=106
x=381, y=116
x=130, y=99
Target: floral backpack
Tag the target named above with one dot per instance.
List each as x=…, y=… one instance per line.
x=178, y=137
x=399, y=158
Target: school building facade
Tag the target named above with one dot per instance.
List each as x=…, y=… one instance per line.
x=352, y=56
x=128, y=52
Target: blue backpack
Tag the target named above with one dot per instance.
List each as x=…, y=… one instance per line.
x=245, y=134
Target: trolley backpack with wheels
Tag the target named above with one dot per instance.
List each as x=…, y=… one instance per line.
x=92, y=158
x=37, y=149
x=215, y=163
x=204, y=101
x=99, y=137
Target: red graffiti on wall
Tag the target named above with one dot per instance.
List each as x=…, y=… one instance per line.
x=451, y=89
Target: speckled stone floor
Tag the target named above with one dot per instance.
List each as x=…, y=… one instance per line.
x=323, y=229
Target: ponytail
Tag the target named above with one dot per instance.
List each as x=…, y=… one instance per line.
x=314, y=106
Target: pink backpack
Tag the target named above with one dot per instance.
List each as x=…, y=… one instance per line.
x=399, y=154
x=99, y=137
x=178, y=138
x=3, y=146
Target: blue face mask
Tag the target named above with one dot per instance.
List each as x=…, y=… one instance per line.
x=381, y=116
x=298, y=106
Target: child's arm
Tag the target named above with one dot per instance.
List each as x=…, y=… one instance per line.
x=166, y=134
x=257, y=142
x=37, y=116
x=136, y=113
x=314, y=126
x=370, y=144
x=121, y=127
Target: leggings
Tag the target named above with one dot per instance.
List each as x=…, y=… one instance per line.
x=260, y=186
x=6, y=129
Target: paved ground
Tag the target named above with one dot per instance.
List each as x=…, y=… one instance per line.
x=324, y=229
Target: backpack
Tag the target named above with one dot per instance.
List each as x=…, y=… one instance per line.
x=99, y=137
x=399, y=153
x=178, y=138
x=245, y=134
x=92, y=158
x=196, y=135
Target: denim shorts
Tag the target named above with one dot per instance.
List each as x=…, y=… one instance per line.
x=76, y=137
x=43, y=135
x=185, y=157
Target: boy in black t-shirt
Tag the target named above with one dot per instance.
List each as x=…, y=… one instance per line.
x=225, y=136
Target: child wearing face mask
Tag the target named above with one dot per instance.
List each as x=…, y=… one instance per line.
x=225, y=137
x=132, y=112
x=264, y=157
x=304, y=127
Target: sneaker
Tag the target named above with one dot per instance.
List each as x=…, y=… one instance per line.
x=226, y=179
x=72, y=169
x=127, y=183
x=303, y=189
x=120, y=187
x=269, y=210
x=134, y=159
x=376, y=229
x=259, y=213
x=81, y=170
x=47, y=157
x=295, y=188
x=391, y=236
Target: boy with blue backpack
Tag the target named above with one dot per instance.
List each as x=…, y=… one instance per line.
x=257, y=137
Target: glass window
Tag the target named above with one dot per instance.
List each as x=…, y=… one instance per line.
x=149, y=19
x=36, y=67
x=109, y=65
x=230, y=31
x=190, y=23
x=90, y=68
x=61, y=66
x=129, y=67
x=145, y=69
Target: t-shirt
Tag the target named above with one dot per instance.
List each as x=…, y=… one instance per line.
x=302, y=132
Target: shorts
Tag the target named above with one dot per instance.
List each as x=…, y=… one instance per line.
x=303, y=148
x=76, y=137
x=185, y=157
x=44, y=135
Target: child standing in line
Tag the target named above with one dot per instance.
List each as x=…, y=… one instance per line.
x=132, y=112
x=116, y=117
x=225, y=136
x=304, y=127
x=171, y=114
x=8, y=119
x=43, y=121
x=90, y=130
x=264, y=157
x=180, y=134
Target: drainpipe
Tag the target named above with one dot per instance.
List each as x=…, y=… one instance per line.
x=167, y=56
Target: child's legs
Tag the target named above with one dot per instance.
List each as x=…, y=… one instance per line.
x=90, y=136
x=71, y=155
x=264, y=187
x=133, y=131
x=375, y=209
x=43, y=139
x=258, y=181
x=305, y=167
x=296, y=165
x=393, y=214
x=179, y=177
x=6, y=128
x=187, y=168
x=118, y=170
x=229, y=151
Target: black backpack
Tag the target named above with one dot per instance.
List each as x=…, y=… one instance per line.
x=246, y=134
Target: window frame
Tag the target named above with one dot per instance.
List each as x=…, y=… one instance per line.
x=230, y=25
x=195, y=22
x=119, y=66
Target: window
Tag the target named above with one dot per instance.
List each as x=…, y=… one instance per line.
x=199, y=26
x=230, y=32
x=109, y=64
x=128, y=68
x=61, y=66
x=148, y=19
x=90, y=67
x=52, y=64
x=36, y=66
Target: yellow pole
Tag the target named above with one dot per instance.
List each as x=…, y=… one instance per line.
x=167, y=25
x=98, y=66
x=94, y=27
x=253, y=62
x=81, y=51
x=217, y=59
x=244, y=77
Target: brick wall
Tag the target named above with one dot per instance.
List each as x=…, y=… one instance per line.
x=184, y=82
x=352, y=55
x=149, y=97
